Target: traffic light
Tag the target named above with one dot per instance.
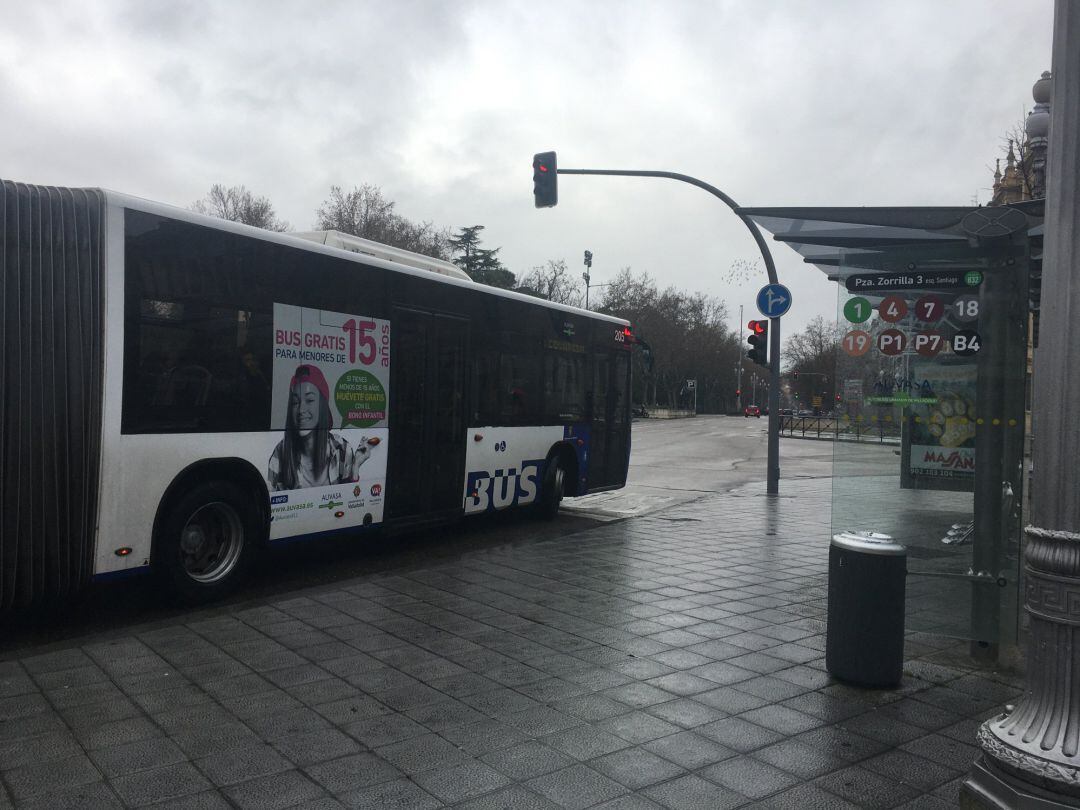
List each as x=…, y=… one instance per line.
x=738, y=392
x=646, y=354
x=545, y=180
x=796, y=375
x=759, y=342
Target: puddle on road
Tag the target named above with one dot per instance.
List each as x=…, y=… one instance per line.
x=620, y=504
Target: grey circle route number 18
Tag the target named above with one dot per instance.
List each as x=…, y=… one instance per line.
x=966, y=308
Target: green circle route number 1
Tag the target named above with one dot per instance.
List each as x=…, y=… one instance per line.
x=857, y=310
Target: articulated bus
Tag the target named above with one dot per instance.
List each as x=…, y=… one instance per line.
x=181, y=393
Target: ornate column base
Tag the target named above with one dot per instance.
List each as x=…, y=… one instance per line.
x=1031, y=752
x=990, y=788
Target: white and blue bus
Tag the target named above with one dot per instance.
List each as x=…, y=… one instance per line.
x=182, y=392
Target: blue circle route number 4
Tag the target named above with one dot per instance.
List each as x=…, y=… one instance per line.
x=773, y=300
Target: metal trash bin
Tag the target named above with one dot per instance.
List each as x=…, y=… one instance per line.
x=864, y=640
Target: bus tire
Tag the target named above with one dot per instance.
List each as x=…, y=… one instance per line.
x=551, y=492
x=208, y=538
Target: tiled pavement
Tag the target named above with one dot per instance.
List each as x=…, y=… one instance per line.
x=674, y=660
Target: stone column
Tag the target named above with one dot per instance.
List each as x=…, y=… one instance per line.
x=1031, y=752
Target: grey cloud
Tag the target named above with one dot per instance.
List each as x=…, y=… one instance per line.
x=443, y=103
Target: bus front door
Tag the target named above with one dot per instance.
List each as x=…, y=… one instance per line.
x=610, y=420
x=426, y=464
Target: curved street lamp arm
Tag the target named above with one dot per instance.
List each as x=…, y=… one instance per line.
x=763, y=246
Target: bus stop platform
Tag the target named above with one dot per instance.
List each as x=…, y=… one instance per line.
x=668, y=660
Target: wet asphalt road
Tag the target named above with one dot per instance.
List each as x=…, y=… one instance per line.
x=672, y=462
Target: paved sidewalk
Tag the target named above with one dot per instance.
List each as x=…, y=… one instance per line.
x=672, y=660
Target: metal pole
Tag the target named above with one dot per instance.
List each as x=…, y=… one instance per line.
x=773, y=482
x=587, y=275
x=773, y=478
x=738, y=361
x=1030, y=753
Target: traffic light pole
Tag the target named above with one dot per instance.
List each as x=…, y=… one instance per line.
x=773, y=477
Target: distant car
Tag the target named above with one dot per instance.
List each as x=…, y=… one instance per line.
x=787, y=412
x=804, y=414
x=752, y=410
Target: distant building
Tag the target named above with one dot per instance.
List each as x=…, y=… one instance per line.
x=1012, y=186
x=1024, y=177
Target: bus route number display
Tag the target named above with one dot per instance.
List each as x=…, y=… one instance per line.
x=927, y=310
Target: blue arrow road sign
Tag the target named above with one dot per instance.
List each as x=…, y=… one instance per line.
x=773, y=300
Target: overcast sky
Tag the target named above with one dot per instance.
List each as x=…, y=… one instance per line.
x=442, y=105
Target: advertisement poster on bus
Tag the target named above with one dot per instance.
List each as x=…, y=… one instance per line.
x=330, y=407
x=939, y=442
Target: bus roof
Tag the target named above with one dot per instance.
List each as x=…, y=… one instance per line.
x=368, y=247
x=304, y=242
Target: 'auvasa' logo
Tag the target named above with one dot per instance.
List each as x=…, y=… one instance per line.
x=487, y=491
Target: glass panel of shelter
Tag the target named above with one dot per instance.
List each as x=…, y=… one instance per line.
x=929, y=425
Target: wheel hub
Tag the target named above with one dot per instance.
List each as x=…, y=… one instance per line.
x=211, y=542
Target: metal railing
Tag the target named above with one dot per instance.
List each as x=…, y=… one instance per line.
x=841, y=428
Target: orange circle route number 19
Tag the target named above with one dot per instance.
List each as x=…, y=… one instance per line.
x=856, y=342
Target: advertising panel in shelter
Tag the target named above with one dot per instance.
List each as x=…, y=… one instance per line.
x=940, y=441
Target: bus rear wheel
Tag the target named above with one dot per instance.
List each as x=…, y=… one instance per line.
x=551, y=493
x=208, y=539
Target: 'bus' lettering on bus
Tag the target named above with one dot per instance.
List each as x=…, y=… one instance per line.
x=503, y=488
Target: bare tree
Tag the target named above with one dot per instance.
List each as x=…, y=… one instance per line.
x=689, y=339
x=811, y=354
x=237, y=204
x=366, y=213
x=553, y=282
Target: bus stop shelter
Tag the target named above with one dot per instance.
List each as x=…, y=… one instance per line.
x=937, y=311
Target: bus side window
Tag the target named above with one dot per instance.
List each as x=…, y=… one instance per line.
x=513, y=384
x=520, y=397
x=618, y=391
x=486, y=388
x=564, y=386
x=197, y=367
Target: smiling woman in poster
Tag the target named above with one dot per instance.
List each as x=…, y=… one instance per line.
x=311, y=455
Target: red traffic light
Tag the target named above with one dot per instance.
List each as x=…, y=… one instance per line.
x=545, y=180
x=738, y=392
x=759, y=340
